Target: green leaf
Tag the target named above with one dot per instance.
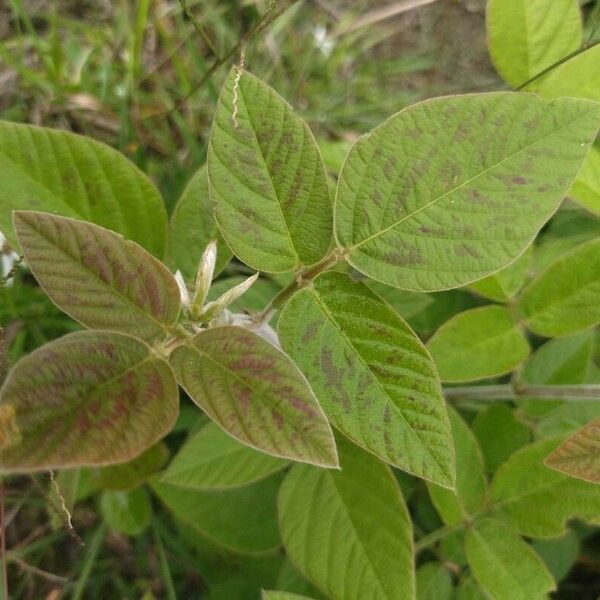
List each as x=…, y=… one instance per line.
x=372, y=375
x=586, y=189
x=75, y=176
x=469, y=497
x=192, y=227
x=565, y=298
x=241, y=519
x=349, y=531
x=88, y=398
x=503, y=285
x=579, y=455
x=478, y=343
x=559, y=554
x=267, y=179
x=434, y=582
x=211, y=459
x=561, y=361
x=537, y=500
x=579, y=77
x=453, y=189
x=505, y=566
x=499, y=434
x=255, y=393
x=97, y=277
x=468, y=589
x=129, y=475
x=127, y=512
x=527, y=36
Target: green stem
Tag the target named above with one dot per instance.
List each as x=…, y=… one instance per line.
x=435, y=536
x=520, y=390
x=303, y=278
x=553, y=66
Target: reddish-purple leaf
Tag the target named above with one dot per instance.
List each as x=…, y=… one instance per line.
x=97, y=277
x=88, y=398
x=255, y=393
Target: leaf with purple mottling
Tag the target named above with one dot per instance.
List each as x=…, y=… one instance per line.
x=374, y=378
x=579, y=455
x=266, y=178
x=97, y=277
x=453, y=189
x=255, y=393
x=88, y=398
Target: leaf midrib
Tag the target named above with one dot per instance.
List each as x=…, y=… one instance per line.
x=460, y=186
x=341, y=331
x=114, y=290
x=261, y=394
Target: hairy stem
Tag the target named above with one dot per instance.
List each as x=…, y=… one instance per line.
x=520, y=390
x=303, y=278
x=435, y=536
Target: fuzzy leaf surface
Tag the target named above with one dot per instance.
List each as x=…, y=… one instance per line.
x=88, y=398
x=371, y=373
x=505, y=566
x=537, y=500
x=526, y=36
x=241, y=519
x=212, y=459
x=97, y=277
x=267, y=179
x=469, y=497
x=453, y=189
x=71, y=175
x=255, y=393
x=579, y=455
x=478, y=343
x=565, y=298
x=192, y=227
x=349, y=531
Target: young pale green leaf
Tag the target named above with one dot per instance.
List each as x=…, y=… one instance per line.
x=579, y=77
x=565, y=298
x=505, y=566
x=349, y=531
x=241, y=519
x=434, y=582
x=75, y=176
x=211, y=459
x=499, y=434
x=579, y=455
x=267, y=179
x=97, y=277
x=255, y=393
x=129, y=475
x=192, y=227
x=88, y=398
x=469, y=497
x=527, y=36
x=127, y=512
x=503, y=285
x=537, y=500
x=453, y=189
x=478, y=343
x=586, y=189
x=372, y=375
